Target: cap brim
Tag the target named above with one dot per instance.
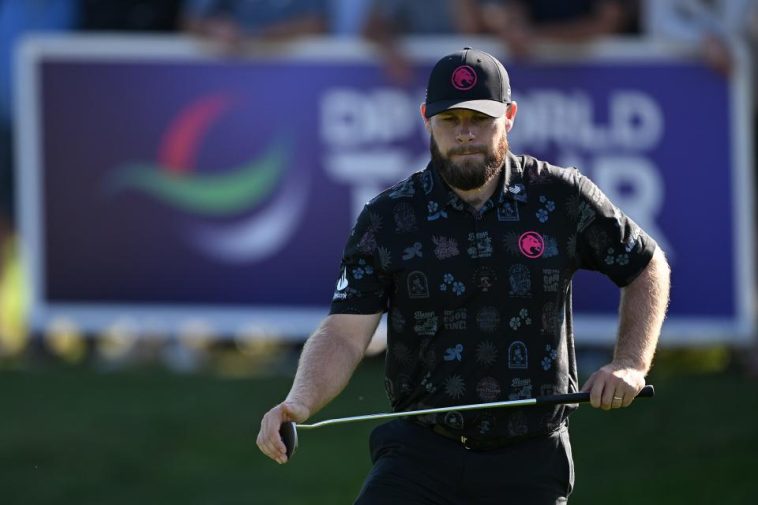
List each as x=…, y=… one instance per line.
x=489, y=107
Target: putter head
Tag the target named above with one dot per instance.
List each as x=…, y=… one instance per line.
x=288, y=432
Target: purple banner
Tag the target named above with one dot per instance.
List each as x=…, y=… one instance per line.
x=235, y=183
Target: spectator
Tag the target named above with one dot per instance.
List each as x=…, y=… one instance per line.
x=522, y=23
x=706, y=25
x=232, y=22
x=347, y=16
x=389, y=19
x=130, y=15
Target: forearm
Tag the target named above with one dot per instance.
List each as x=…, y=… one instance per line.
x=641, y=313
x=327, y=362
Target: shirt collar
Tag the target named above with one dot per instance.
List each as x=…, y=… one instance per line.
x=513, y=187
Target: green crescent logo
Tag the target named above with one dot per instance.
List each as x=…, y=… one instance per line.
x=208, y=194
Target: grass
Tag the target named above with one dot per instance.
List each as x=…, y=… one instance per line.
x=72, y=435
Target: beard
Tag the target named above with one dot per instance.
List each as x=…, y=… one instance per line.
x=469, y=174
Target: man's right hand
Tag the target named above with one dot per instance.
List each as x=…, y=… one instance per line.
x=269, y=441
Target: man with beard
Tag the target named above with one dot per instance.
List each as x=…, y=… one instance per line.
x=472, y=259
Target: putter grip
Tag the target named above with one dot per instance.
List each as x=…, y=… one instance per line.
x=288, y=432
x=584, y=396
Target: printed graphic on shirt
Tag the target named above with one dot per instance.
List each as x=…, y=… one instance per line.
x=517, y=355
x=426, y=323
x=405, y=218
x=427, y=182
x=488, y=319
x=488, y=389
x=550, y=356
x=550, y=320
x=531, y=244
x=403, y=189
x=455, y=387
x=397, y=321
x=522, y=318
x=449, y=284
x=454, y=353
x=598, y=241
x=520, y=280
x=418, y=285
x=546, y=208
x=511, y=243
x=401, y=353
x=486, y=353
x=455, y=319
x=362, y=270
x=550, y=279
x=521, y=389
x=480, y=245
x=445, y=247
x=414, y=251
x=485, y=423
x=367, y=243
x=385, y=258
x=435, y=212
x=612, y=258
x=403, y=384
x=551, y=246
x=507, y=211
x=484, y=278
x=427, y=384
x=454, y=420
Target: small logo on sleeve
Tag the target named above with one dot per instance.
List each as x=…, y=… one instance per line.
x=531, y=244
x=340, y=293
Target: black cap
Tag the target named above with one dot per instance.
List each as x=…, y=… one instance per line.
x=468, y=79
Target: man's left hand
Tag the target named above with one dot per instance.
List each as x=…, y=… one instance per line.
x=615, y=385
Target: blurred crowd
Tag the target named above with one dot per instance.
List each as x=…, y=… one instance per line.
x=232, y=25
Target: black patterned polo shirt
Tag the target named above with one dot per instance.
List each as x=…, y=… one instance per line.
x=479, y=302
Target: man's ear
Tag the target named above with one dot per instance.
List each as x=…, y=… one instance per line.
x=510, y=115
x=426, y=119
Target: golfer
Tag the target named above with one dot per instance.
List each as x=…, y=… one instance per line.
x=472, y=258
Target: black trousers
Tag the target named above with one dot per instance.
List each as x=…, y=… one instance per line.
x=415, y=466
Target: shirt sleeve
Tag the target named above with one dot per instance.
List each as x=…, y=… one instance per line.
x=607, y=240
x=363, y=286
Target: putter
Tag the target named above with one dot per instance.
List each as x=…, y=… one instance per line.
x=288, y=430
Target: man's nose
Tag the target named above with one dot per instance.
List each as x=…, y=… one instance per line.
x=465, y=132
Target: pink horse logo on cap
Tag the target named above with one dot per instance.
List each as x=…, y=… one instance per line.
x=531, y=244
x=464, y=78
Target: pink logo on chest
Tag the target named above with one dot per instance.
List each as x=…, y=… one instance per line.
x=531, y=244
x=464, y=78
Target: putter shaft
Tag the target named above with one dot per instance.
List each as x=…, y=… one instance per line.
x=581, y=397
